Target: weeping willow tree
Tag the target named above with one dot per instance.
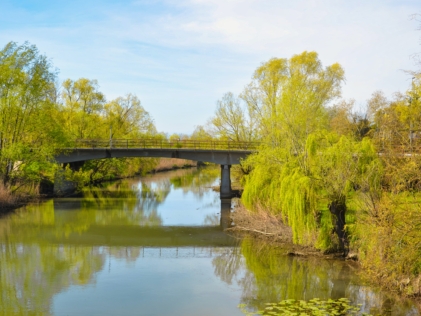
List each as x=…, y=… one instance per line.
x=314, y=201
x=302, y=167
x=341, y=166
x=289, y=97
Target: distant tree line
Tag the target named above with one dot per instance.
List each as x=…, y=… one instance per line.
x=38, y=115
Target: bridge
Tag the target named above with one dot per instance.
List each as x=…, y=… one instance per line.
x=224, y=153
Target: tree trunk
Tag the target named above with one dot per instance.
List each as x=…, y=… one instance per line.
x=338, y=208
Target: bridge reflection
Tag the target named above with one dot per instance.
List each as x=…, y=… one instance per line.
x=65, y=229
x=183, y=252
x=143, y=236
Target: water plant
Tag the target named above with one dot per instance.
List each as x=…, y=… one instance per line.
x=315, y=306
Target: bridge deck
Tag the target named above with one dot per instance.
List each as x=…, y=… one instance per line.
x=219, y=152
x=165, y=143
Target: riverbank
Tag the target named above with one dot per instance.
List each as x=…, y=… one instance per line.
x=10, y=201
x=271, y=229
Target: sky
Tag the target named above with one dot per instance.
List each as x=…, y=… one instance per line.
x=180, y=56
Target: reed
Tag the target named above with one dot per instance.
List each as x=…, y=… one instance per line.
x=7, y=200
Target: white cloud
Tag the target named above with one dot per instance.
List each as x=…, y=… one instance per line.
x=180, y=56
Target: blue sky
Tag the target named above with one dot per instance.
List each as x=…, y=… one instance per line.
x=180, y=56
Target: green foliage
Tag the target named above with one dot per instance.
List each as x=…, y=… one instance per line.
x=127, y=118
x=288, y=98
x=303, y=164
x=35, y=120
x=234, y=120
x=389, y=242
x=27, y=93
x=298, y=204
x=29, y=99
x=200, y=133
x=329, y=169
x=82, y=107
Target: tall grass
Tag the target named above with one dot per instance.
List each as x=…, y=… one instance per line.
x=20, y=194
x=7, y=200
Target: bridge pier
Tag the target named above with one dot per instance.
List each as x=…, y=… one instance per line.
x=62, y=186
x=225, y=189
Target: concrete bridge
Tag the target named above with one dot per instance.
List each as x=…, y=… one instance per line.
x=224, y=153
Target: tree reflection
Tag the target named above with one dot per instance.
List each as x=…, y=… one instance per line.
x=228, y=264
x=196, y=181
x=35, y=264
x=129, y=254
x=32, y=270
x=31, y=275
x=266, y=274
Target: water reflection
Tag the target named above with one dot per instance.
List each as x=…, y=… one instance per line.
x=271, y=276
x=30, y=275
x=129, y=246
x=51, y=246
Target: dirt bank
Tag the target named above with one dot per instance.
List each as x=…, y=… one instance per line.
x=271, y=228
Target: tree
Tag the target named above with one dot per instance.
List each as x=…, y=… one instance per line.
x=397, y=136
x=232, y=121
x=127, y=118
x=201, y=133
x=290, y=99
x=340, y=117
x=27, y=85
x=82, y=106
x=346, y=122
x=339, y=166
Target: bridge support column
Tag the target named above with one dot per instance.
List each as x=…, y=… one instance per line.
x=62, y=186
x=225, y=189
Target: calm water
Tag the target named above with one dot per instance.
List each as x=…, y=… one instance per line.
x=156, y=246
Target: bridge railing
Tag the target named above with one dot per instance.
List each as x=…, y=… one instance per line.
x=165, y=143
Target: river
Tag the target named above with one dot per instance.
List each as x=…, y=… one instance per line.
x=156, y=245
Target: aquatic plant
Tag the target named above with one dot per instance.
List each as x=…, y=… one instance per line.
x=314, y=307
